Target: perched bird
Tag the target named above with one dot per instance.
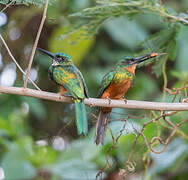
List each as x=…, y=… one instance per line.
x=65, y=74
x=114, y=85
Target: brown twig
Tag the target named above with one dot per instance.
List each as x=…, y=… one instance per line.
x=115, y=142
x=131, y=104
x=35, y=44
x=99, y=174
x=177, y=91
x=168, y=139
x=140, y=133
x=161, y=141
x=10, y=54
x=7, y=5
x=130, y=165
x=179, y=132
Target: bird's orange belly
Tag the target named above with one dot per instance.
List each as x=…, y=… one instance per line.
x=117, y=90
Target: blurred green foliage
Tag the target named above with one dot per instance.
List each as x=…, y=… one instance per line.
x=38, y=138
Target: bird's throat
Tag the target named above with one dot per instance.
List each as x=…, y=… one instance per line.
x=131, y=69
x=55, y=63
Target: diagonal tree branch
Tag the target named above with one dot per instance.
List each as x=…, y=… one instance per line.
x=6, y=46
x=35, y=44
x=130, y=104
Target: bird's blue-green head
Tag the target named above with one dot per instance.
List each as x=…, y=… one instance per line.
x=130, y=61
x=58, y=58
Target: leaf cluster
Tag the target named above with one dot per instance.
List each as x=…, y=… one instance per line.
x=24, y=2
x=163, y=41
x=105, y=9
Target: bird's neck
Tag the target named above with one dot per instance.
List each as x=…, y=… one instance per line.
x=66, y=63
x=63, y=64
x=131, y=69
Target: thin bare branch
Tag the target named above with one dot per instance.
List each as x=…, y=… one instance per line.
x=179, y=132
x=7, y=6
x=131, y=104
x=140, y=133
x=6, y=46
x=175, y=128
x=35, y=44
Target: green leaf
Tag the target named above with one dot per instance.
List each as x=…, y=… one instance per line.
x=35, y=106
x=5, y=128
x=16, y=166
x=137, y=92
x=95, y=16
x=25, y=2
x=67, y=45
x=76, y=162
x=74, y=169
x=157, y=68
x=182, y=62
x=172, y=154
x=163, y=41
x=172, y=46
x=125, y=32
x=43, y=155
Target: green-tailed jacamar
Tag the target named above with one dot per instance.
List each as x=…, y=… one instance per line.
x=114, y=85
x=64, y=73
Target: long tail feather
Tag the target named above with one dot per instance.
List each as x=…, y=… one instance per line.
x=81, y=118
x=100, y=131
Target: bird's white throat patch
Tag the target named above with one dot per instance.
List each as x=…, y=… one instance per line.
x=55, y=63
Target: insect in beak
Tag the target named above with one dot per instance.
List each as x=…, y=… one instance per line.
x=147, y=56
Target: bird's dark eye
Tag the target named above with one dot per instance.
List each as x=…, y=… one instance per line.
x=60, y=58
x=64, y=59
x=130, y=60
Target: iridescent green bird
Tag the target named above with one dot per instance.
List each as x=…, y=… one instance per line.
x=114, y=85
x=64, y=73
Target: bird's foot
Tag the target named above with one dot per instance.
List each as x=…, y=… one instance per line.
x=61, y=94
x=185, y=100
x=125, y=100
x=65, y=95
x=109, y=100
x=62, y=91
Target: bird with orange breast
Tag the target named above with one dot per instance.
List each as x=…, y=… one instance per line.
x=115, y=85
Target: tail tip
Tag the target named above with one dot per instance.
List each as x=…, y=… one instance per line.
x=99, y=141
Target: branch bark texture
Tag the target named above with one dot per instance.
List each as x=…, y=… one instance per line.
x=130, y=104
x=35, y=44
x=19, y=67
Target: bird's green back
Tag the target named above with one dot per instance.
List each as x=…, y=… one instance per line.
x=71, y=79
x=105, y=82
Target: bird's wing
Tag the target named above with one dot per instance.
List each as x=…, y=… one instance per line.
x=105, y=82
x=83, y=81
x=70, y=79
x=50, y=72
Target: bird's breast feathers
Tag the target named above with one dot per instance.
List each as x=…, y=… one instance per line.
x=117, y=90
x=70, y=80
x=120, y=77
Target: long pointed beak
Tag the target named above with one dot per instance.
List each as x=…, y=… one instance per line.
x=47, y=52
x=146, y=57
